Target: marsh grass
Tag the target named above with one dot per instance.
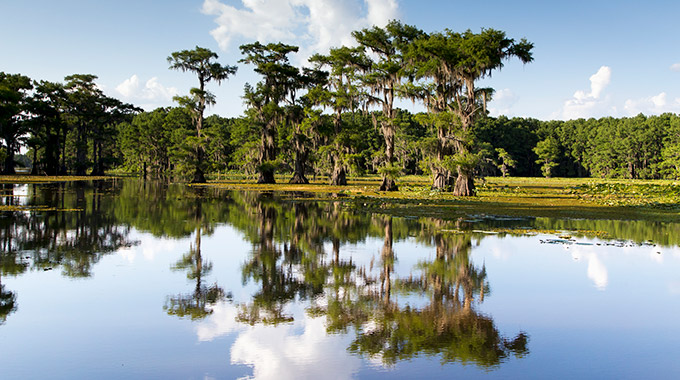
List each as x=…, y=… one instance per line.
x=579, y=198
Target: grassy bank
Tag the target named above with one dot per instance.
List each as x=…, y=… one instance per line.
x=582, y=198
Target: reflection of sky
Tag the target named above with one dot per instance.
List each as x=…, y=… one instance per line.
x=298, y=350
x=580, y=285
x=584, y=307
x=574, y=286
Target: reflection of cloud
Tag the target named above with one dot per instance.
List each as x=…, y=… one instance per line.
x=655, y=255
x=500, y=253
x=221, y=322
x=674, y=287
x=149, y=246
x=597, y=272
x=315, y=24
x=286, y=351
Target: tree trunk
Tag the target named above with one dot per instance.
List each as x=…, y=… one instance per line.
x=34, y=167
x=52, y=155
x=199, y=177
x=388, y=185
x=465, y=184
x=299, y=174
x=9, y=162
x=81, y=152
x=97, y=167
x=266, y=176
x=442, y=180
x=338, y=177
x=267, y=155
x=388, y=131
x=63, y=170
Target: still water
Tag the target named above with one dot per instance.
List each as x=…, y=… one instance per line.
x=131, y=279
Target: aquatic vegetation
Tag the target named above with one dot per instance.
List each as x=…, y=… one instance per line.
x=47, y=178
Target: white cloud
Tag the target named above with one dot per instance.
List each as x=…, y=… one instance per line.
x=590, y=104
x=599, y=81
x=129, y=86
x=652, y=105
x=675, y=67
x=315, y=25
x=502, y=102
x=153, y=93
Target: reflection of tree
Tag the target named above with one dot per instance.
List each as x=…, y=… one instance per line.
x=73, y=239
x=197, y=304
x=289, y=263
x=7, y=303
x=447, y=326
x=77, y=238
x=274, y=268
x=10, y=264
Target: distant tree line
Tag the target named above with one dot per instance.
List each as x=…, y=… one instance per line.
x=334, y=118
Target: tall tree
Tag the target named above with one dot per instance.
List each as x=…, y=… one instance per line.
x=265, y=100
x=47, y=126
x=548, y=152
x=82, y=112
x=344, y=95
x=383, y=77
x=505, y=161
x=13, y=98
x=456, y=62
x=303, y=118
x=200, y=61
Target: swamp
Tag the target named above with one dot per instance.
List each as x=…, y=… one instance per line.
x=126, y=278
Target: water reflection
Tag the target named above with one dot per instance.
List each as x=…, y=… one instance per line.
x=199, y=303
x=290, y=265
x=310, y=292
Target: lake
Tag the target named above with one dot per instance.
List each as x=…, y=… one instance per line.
x=134, y=279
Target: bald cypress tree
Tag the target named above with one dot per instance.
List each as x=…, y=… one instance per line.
x=202, y=62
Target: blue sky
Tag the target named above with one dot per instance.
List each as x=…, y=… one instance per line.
x=591, y=58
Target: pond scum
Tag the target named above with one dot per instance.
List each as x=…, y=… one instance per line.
x=560, y=198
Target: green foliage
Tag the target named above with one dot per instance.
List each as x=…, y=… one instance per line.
x=661, y=196
x=203, y=63
x=505, y=161
x=269, y=166
x=390, y=171
x=547, y=152
x=13, y=106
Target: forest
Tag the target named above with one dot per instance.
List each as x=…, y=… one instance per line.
x=331, y=119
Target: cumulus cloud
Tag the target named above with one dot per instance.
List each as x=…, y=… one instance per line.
x=502, y=102
x=675, y=67
x=652, y=105
x=592, y=103
x=316, y=25
x=152, y=93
